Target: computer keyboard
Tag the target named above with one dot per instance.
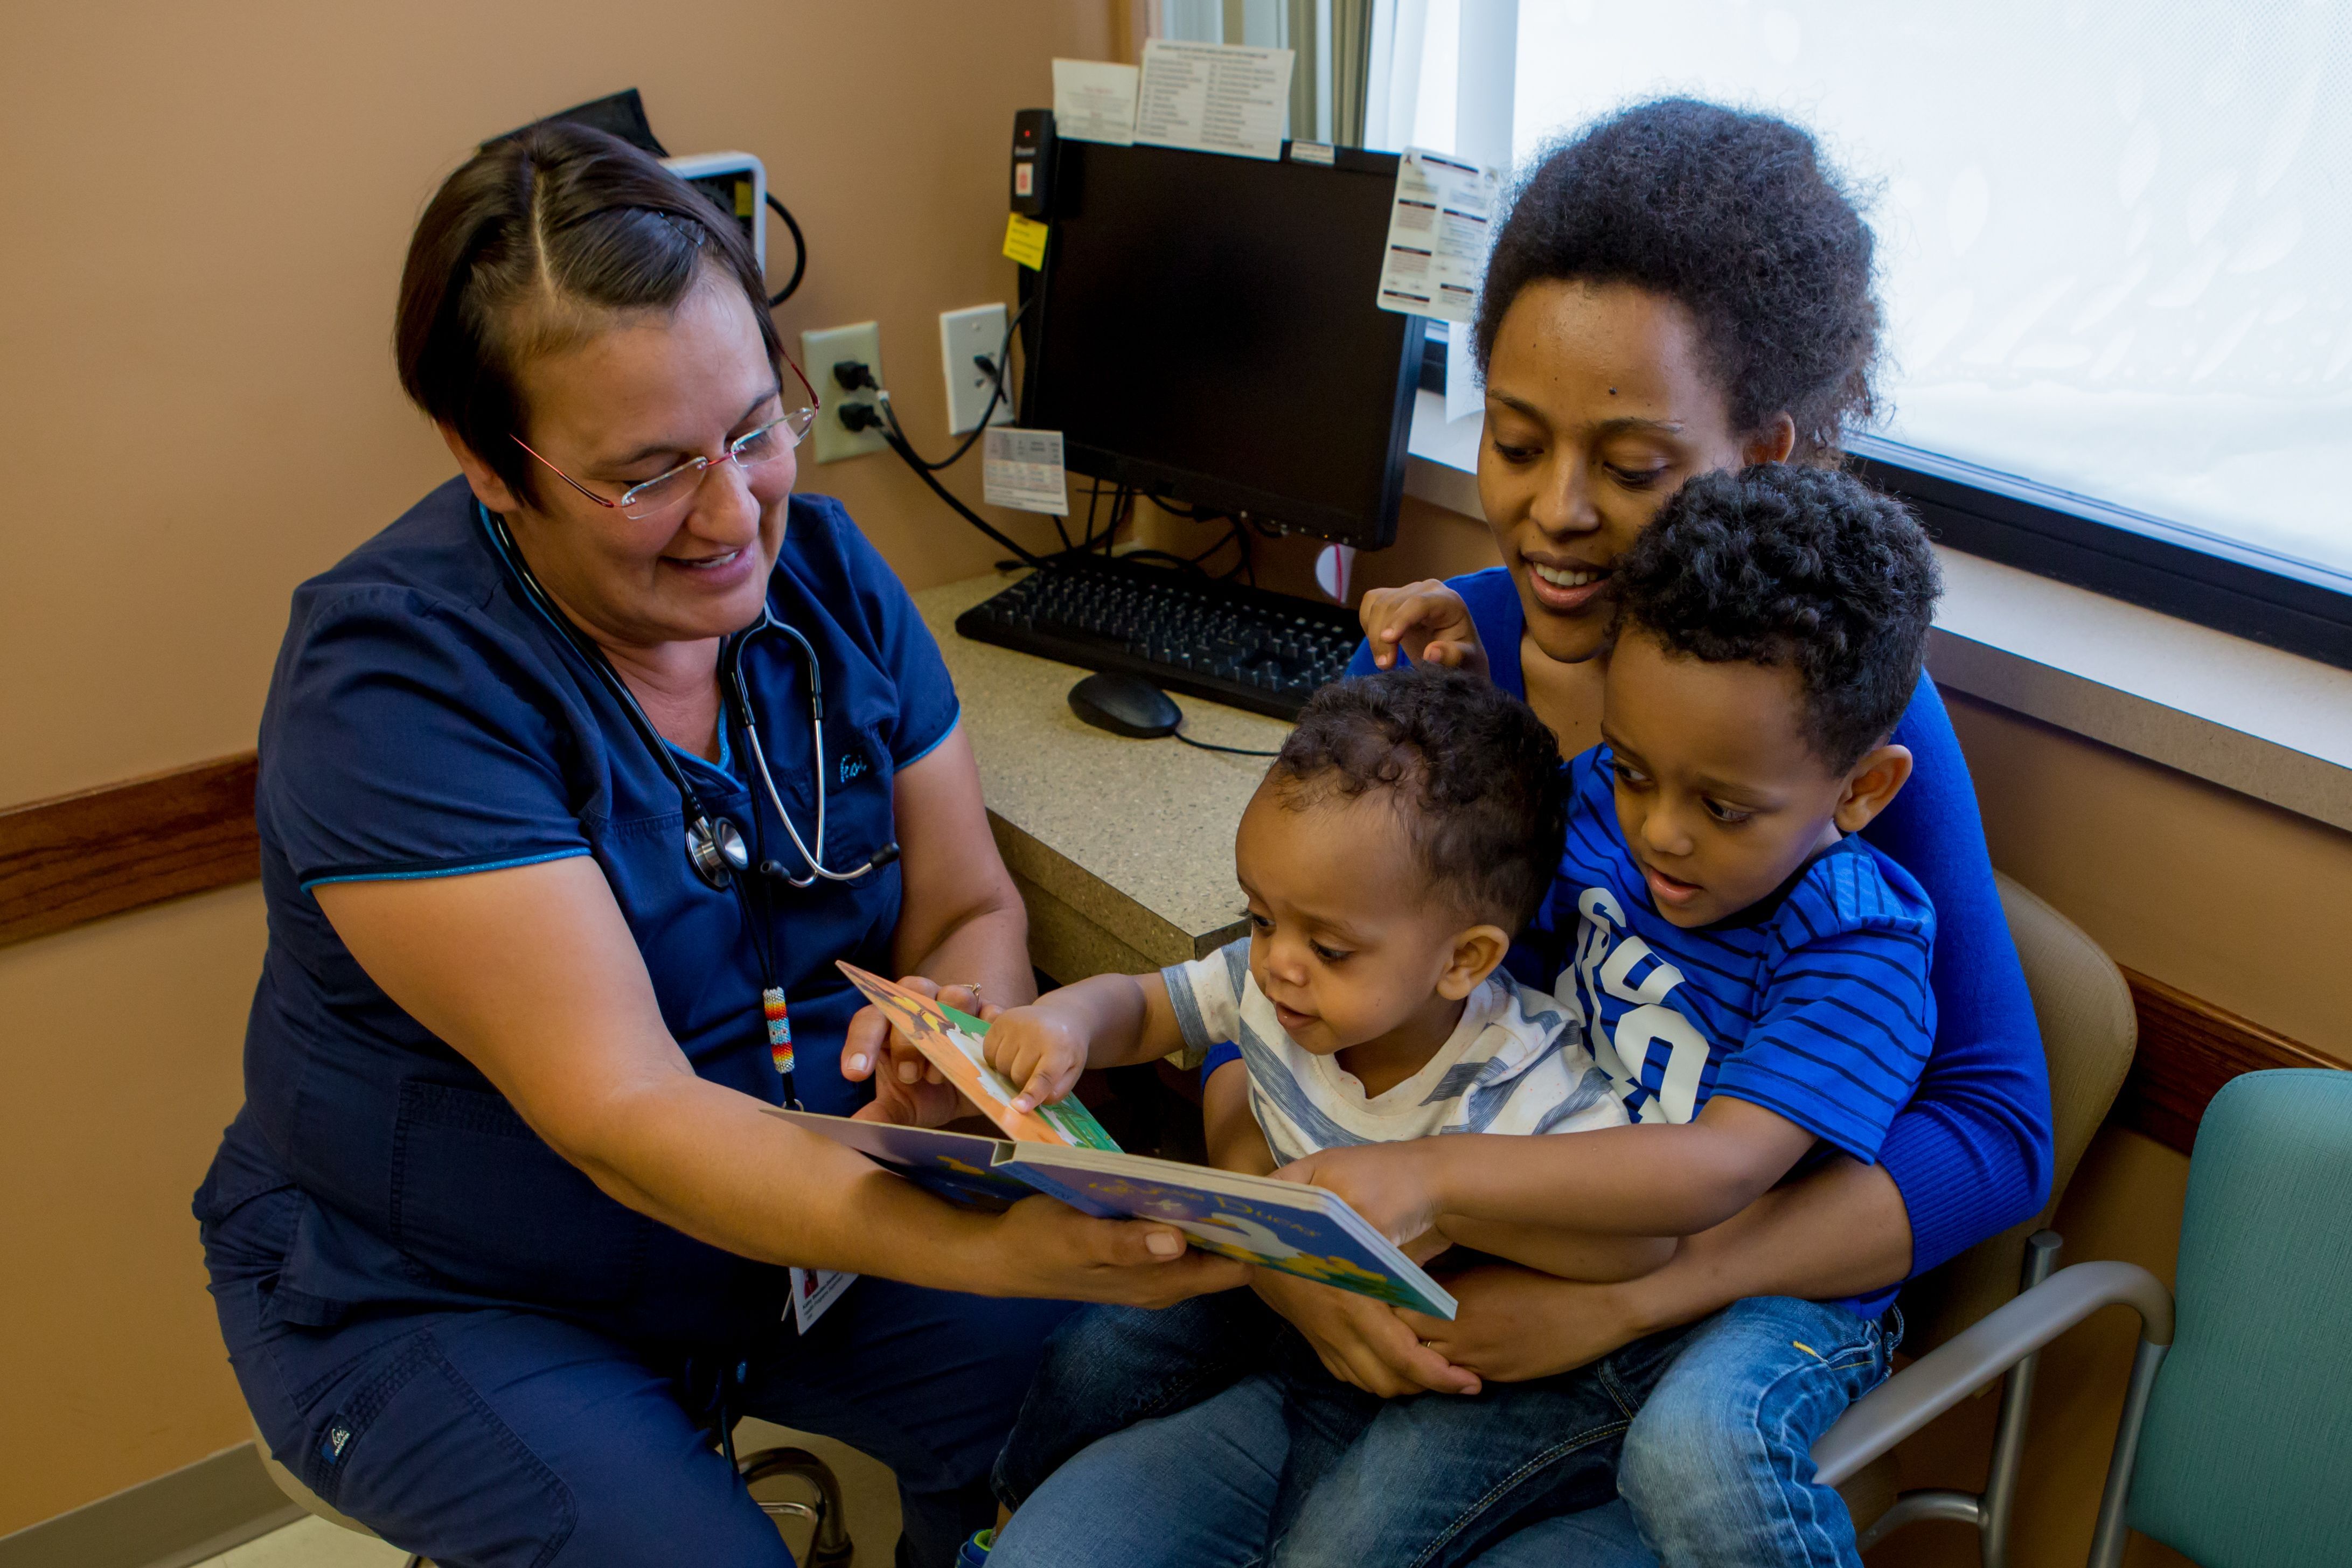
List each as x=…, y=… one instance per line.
x=1185, y=633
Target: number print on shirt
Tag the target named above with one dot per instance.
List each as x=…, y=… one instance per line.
x=1606, y=964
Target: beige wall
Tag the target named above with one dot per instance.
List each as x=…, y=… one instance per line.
x=194, y=324
x=208, y=208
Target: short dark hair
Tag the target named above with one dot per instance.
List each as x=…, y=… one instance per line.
x=1734, y=216
x=1783, y=564
x=558, y=219
x=1475, y=777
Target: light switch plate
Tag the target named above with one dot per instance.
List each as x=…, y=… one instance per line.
x=964, y=336
x=820, y=352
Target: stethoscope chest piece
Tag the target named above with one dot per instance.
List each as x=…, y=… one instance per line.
x=716, y=847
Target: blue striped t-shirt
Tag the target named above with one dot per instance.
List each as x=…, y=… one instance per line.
x=1812, y=1003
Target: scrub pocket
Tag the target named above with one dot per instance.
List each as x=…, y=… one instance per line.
x=480, y=1201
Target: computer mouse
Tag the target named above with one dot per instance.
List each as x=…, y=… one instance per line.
x=1125, y=705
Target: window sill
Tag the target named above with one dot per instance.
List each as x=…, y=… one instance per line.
x=2267, y=724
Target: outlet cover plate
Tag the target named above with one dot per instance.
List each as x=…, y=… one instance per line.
x=820, y=352
x=964, y=335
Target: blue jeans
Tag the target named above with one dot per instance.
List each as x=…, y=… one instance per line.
x=1716, y=1459
x=1222, y=1438
x=502, y=1439
x=1718, y=1466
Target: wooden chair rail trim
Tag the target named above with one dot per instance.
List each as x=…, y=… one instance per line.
x=2187, y=1048
x=81, y=857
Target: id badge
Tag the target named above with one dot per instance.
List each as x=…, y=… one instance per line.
x=815, y=1290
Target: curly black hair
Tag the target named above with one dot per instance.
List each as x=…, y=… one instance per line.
x=1475, y=777
x=1809, y=567
x=1733, y=214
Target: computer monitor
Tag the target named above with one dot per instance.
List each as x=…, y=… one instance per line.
x=1205, y=330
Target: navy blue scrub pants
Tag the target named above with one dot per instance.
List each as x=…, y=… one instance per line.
x=500, y=1438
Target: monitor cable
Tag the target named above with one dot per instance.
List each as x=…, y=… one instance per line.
x=800, y=254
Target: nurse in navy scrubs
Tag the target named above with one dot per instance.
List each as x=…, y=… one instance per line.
x=503, y=1230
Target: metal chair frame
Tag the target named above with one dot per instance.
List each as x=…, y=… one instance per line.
x=2005, y=1342
x=1991, y=1509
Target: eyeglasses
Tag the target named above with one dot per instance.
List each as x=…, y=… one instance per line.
x=665, y=490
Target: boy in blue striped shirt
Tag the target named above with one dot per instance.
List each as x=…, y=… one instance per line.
x=1750, y=973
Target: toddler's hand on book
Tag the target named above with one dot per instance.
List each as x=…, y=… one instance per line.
x=1360, y=1342
x=1038, y=1050
x=1388, y=1184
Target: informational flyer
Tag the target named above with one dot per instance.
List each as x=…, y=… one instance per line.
x=1214, y=98
x=1022, y=469
x=1094, y=101
x=1438, y=233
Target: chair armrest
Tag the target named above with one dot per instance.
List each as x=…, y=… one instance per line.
x=1942, y=1378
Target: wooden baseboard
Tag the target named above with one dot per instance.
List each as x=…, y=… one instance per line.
x=183, y=1517
x=80, y=857
x=2187, y=1048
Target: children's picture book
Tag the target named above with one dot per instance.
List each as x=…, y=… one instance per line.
x=1303, y=1230
x=949, y=1038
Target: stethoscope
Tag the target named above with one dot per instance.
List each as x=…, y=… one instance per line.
x=715, y=846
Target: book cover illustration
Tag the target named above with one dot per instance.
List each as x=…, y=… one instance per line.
x=957, y=1167
x=949, y=1040
x=1300, y=1229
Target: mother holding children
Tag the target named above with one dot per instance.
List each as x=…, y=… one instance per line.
x=1673, y=1062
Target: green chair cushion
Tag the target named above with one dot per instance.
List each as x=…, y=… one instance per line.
x=2246, y=1458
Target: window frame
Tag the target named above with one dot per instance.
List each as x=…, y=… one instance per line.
x=2195, y=574
x=2207, y=579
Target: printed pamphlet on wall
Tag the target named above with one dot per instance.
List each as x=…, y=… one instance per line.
x=1438, y=233
x=1094, y=101
x=1300, y=1229
x=1213, y=98
x=1022, y=469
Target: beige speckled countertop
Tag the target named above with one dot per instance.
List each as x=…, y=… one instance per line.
x=1124, y=849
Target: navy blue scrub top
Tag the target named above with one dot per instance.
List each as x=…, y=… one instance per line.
x=424, y=720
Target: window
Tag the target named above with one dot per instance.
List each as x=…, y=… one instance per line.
x=2112, y=235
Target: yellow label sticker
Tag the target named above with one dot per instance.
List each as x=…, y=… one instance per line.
x=744, y=207
x=1025, y=241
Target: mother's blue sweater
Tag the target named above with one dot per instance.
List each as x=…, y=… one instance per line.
x=1971, y=1153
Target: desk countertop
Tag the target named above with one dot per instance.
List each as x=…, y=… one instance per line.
x=1123, y=849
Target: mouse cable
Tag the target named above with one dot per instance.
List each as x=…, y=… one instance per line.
x=800, y=254
x=1204, y=746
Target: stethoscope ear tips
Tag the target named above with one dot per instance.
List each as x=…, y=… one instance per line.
x=885, y=855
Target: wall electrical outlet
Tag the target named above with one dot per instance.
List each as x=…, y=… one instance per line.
x=821, y=351
x=965, y=337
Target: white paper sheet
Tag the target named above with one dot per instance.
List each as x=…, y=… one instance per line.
x=1465, y=390
x=1213, y=98
x=1094, y=101
x=1438, y=234
x=1022, y=469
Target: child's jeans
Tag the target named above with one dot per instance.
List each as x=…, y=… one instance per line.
x=1719, y=1467
x=1716, y=1461
x=1430, y=1479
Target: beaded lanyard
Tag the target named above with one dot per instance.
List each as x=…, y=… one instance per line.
x=771, y=995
